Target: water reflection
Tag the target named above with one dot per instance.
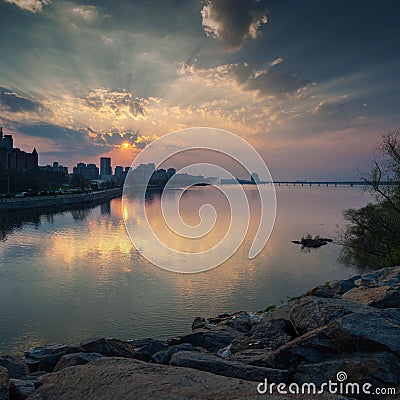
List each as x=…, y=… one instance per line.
x=74, y=274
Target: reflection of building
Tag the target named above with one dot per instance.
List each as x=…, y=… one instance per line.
x=105, y=168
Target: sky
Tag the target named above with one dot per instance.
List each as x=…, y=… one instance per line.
x=310, y=84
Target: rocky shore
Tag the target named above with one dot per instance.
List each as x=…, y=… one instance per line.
x=350, y=326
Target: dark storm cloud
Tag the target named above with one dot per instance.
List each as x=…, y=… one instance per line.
x=13, y=102
x=75, y=140
x=232, y=21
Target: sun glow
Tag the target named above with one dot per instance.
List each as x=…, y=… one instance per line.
x=125, y=145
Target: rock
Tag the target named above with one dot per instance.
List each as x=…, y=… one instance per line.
x=249, y=356
x=312, y=347
x=99, y=345
x=44, y=358
x=4, y=384
x=21, y=389
x=375, y=275
x=139, y=349
x=69, y=360
x=367, y=331
x=379, y=297
x=198, y=323
x=371, y=331
x=15, y=365
x=379, y=369
x=321, y=291
x=268, y=335
x=116, y=378
x=313, y=312
x=343, y=286
x=164, y=356
x=215, y=365
x=209, y=340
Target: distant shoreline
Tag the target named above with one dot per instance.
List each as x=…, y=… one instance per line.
x=26, y=203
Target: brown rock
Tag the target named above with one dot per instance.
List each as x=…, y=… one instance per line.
x=128, y=379
x=379, y=297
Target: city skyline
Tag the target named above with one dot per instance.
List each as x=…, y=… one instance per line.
x=85, y=79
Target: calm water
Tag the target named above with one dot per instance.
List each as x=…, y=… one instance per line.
x=72, y=275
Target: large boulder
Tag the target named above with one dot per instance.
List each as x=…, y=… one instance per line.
x=209, y=340
x=68, y=360
x=370, y=331
x=4, y=384
x=311, y=312
x=20, y=389
x=140, y=349
x=164, y=356
x=268, y=335
x=218, y=366
x=379, y=369
x=45, y=358
x=379, y=297
x=132, y=379
x=15, y=365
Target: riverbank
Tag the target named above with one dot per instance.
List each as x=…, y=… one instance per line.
x=25, y=203
x=350, y=325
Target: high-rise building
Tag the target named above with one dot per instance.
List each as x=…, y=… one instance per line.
x=105, y=168
x=89, y=171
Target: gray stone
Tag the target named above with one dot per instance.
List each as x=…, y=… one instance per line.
x=312, y=347
x=69, y=360
x=117, y=378
x=369, y=331
x=379, y=297
x=4, y=384
x=15, y=365
x=44, y=358
x=99, y=345
x=379, y=369
x=375, y=275
x=321, y=291
x=267, y=335
x=343, y=286
x=209, y=340
x=218, y=366
x=21, y=389
x=164, y=356
x=313, y=312
x=198, y=323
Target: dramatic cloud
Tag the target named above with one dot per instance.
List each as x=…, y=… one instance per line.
x=30, y=5
x=232, y=21
x=13, y=102
x=116, y=138
x=77, y=141
x=266, y=83
x=85, y=12
x=122, y=104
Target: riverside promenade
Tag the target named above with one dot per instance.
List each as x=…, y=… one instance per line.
x=25, y=203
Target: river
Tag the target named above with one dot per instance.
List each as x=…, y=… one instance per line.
x=71, y=275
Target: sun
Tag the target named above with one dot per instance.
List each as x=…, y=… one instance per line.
x=125, y=145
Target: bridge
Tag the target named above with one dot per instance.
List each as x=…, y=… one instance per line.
x=325, y=183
